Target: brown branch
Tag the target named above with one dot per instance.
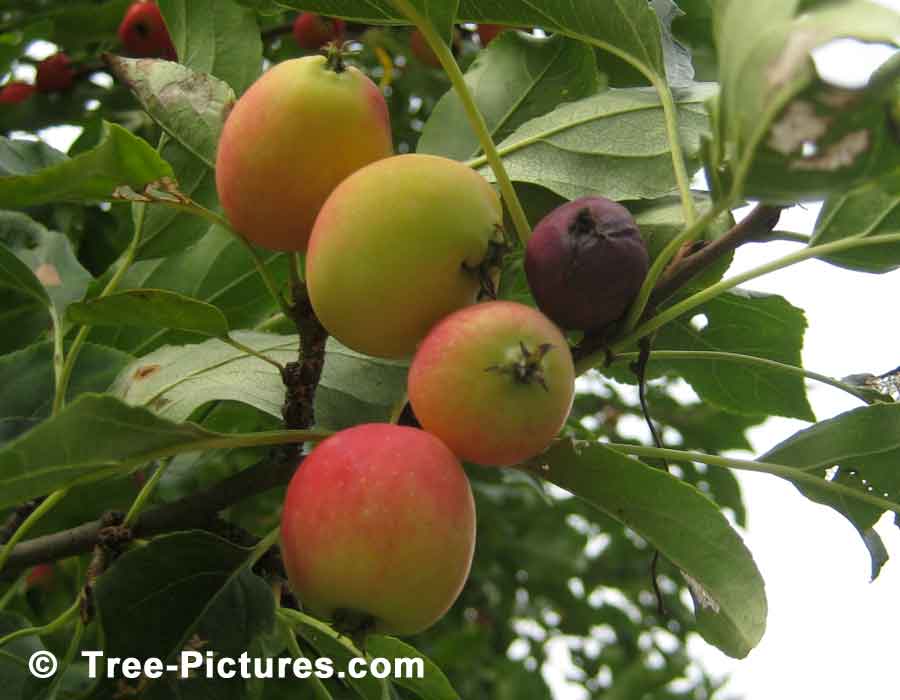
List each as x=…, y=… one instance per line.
x=302, y=378
x=17, y=517
x=197, y=510
x=758, y=224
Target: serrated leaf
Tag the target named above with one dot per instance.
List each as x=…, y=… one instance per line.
x=433, y=684
x=683, y=524
x=120, y=160
x=356, y=388
x=190, y=106
x=217, y=37
x=174, y=381
x=870, y=210
x=90, y=437
x=745, y=323
x=167, y=586
x=156, y=308
x=613, y=144
x=863, y=446
x=630, y=26
x=803, y=137
x=516, y=78
x=27, y=383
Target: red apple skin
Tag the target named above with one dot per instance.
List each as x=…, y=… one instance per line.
x=297, y=132
x=55, y=74
x=484, y=415
x=15, y=93
x=487, y=32
x=144, y=34
x=312, y=31
x=396, y=248
x=379, y=519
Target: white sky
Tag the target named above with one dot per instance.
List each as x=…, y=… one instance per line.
x=831, y=634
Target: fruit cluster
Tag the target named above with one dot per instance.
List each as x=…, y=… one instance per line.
x=378, y=526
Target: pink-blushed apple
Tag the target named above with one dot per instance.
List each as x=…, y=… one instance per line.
x=300, y=129
x=378, y=529
x=143, y=32
x=397, y=246
x=494, y=381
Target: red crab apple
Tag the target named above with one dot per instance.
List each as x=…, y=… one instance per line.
x=312, y=31
x=494, y=381
x=55, y=74
x=378, y=529
x=397, y=246
x=15, y=92
x=41, y=576
x=585, y=263
x=144, y=34
x=422, y=51
x=300, y=129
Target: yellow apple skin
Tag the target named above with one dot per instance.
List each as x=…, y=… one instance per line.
x=397, y=247
x=297, y=132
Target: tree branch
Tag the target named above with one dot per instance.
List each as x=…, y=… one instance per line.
x=197, y=510
x=301, y=378
x=757, y=225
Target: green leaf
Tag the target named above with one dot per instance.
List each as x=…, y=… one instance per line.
x=613, y=144
x=27, y=383
x=21, y=157
x=156, y=308
x=683, y=524
x=91, y=437
x=191, y=107
x=863, y=447
x=869, y=210
x=625, y=26
x=356, y=388
x=217, y=37
x=49, y=255
x=120, y=160
x=167, y=587
x=802, y=137
x=518, y=77
x=14, y=674
x=174, y=381
x=746, y=323
x=18, y=277
x=433, y=685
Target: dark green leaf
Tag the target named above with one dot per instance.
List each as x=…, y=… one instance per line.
x=18, y=277
x=156, y=308
x=869, y=210
x=120, y=160
x=686, y=528
x=90, y=437
x=518, y=77
x=433, y=685
x=169, y=586
x=14, y=657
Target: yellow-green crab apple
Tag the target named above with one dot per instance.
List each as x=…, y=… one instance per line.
x=399, y=245
x=378, y=529
x=494, y=381
x=300, y=129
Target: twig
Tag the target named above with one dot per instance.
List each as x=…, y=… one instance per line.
x=302, y=377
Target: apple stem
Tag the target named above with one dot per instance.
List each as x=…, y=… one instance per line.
x=335, y=55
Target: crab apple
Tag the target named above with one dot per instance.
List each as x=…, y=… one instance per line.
x=55, y=74
x=312, y=31
x=397, y=246
x=585, y=263
x=487, y=32
x=494, y=381
x=144, y=34
x=378, y=529
x=422, y=51
x=15, y=92
x=299, y=130
x=41, y=576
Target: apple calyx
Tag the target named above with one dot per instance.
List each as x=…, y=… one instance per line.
x=335, y=53
x=525, y=366
x=355, y=624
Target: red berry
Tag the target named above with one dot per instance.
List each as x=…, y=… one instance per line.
x=487, y=32
x=313, y=31
x=585, y=263
x=55, y=74
x=15, y=92
x=143, y=32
